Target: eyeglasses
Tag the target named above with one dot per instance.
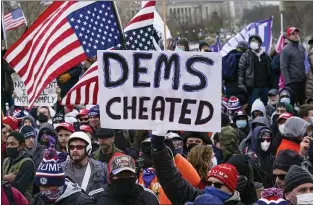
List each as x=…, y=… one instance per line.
x=78, y=147
x=215, y=184
x=83, y=119
x=268, y=139
x=281, y=177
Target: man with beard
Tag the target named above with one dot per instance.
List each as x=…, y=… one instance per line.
x=82, y=116
x=88, y=173
x=122, y=187
x=107, y=148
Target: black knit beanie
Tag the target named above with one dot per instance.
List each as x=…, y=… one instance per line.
x=295, y=177
x=285, y=159
x=18, y=136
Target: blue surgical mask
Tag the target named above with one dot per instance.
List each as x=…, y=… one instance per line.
x=179, y=49
x=241, y=123
x=285, y=100
x=223, y=196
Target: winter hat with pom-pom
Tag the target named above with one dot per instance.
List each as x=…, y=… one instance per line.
x=50, y=172
x=272, y=196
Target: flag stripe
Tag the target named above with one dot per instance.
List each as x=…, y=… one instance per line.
x=51, y=46
x=85, y=91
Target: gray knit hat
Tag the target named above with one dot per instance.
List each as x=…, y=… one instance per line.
x=295, y=177
x=295, y=127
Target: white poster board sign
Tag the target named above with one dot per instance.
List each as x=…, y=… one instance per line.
x=47, y=98
x=139, y=88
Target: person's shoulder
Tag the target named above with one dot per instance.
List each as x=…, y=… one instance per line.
x=149, y=196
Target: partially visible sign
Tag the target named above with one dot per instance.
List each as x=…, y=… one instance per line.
x=47, y=98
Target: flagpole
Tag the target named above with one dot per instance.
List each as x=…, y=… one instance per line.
x=123, y=43
x=3, y=27
x=164, y=20
x=281, y=22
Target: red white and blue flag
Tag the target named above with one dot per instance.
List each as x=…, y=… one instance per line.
x=14, y=19
x=64, y=35
x=139, y=35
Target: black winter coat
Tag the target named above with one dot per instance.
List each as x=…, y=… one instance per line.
x=141, y=196
x=176, y=188
x=246, y=69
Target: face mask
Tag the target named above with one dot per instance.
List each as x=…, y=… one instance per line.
x=190, y=146
x=123, y=187
x=311, y=120
x=48, y=140
x=265, y=145
x=179, y=49
x=51, y=196
x=241, y=123
x=42, y=118
x=305, y=198
x=12, y=151
x=223, y=196
x=179, y=150
x=254, y=45
x=281, y=128
x=285, y=100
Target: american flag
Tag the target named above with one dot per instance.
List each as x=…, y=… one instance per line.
x=64, y=35
x=139, y=35
x=14, y=19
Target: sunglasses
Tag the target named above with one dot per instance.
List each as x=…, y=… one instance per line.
x=281, y=177
x=265, y=139
x=78, y=147
x=83, y=119
x=215, y=184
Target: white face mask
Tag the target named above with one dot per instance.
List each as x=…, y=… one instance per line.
x=281, y=128
x=265, y=145
x=179, y=48
x=305, y=198
x=254, y=45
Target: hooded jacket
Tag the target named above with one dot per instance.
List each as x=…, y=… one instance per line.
x=46, y=127
x=246, y=143
x=261, y=161
x=176, y=188
x=258, y=105
x=229, y=139
x=292, y=63
x=31, y=118
x=72, y=195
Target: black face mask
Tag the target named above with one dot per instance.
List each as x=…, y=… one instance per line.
x=190, y=146
x=12, y=152
x=123, y=187
x=42, y=118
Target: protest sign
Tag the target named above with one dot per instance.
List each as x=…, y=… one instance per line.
x=47, y=98
x=137, y=89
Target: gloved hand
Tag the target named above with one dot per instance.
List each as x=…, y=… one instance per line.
x=64, y=78
x=243, y=88
x=158, y=136
x=242, y=183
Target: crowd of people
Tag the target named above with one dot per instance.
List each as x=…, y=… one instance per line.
x=263, y=154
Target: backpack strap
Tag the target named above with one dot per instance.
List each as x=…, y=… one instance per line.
x=8, y=191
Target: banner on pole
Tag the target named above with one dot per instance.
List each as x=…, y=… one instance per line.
x=262, y=28
x=47, y=98
x=139, y=88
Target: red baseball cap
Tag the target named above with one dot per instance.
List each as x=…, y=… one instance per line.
x=82, y=112
x=11, y=121
x=86, y=128
x=291, y=30
x=285, y=115
x=66, y=126
x=226, y=173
